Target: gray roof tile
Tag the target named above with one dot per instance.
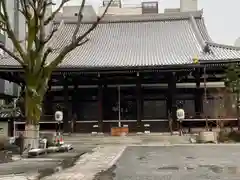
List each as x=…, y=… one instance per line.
x=221, y=52
x=132, y=44
x=139, y=41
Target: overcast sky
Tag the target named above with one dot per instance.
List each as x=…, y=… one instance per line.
x=222, y=17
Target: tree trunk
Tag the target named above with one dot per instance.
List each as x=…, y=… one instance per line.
x=33, y=110
x=31, y=137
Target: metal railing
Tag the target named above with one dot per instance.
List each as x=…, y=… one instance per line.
x=16, y=133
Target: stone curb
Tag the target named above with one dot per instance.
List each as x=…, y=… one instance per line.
x=192, y=144
x=109, y=165
x=90, y=164
x=116, y=157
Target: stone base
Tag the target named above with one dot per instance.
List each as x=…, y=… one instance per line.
x=207, y=137
x=52, y=149
x=36, y=152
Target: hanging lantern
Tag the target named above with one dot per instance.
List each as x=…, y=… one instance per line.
x=58, y=116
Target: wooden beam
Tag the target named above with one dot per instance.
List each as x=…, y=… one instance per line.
x=12, y=77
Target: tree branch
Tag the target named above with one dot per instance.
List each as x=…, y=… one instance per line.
x=10, y=32
x=24, y=9
x=78, y=40
x=45, y=55
x=83, y=42
x=51, y=17
x=47, y=39
x=2, y=46
x=80, y=16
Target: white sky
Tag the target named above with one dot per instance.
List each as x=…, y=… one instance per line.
x=221, y=16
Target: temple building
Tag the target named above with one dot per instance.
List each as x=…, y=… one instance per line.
x=135, y=69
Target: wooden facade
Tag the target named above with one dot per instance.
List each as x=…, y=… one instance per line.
x=110, y=99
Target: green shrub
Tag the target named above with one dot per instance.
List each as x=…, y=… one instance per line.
x=235, y=136
x=3, y=143
x=223, y=136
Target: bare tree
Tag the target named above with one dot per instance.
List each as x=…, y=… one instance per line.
x=33, y=57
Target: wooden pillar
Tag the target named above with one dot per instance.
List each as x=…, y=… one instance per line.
x=171, y=100
x=74, y=105
x=66, y=127
x=100, y=104
x=198, y=94
x=139, y=101
x=48, y=99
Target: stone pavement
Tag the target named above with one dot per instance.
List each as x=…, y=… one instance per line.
x=88, y=165
x=87, y=139
x=177, y=162
x=32, y=168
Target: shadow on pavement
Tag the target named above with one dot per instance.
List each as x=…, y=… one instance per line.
x=106, y=175
x=44, y=165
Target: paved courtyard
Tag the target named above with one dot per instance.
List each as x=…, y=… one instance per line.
x=189, y=162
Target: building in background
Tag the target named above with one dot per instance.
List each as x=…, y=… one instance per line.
x=8, y=90
x=237, y=42
x=130, y=7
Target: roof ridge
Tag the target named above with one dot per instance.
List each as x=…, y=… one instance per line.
x=197, y=32
x=223, y=45
x=206, y=30
x=134, y=18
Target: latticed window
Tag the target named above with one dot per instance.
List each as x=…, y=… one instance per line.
x=115, y=3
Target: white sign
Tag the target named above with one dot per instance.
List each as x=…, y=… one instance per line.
x=180, y=114
x=58, y=115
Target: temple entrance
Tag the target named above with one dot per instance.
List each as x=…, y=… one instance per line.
x=119, y=107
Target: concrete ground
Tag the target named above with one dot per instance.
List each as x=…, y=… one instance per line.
x=147, y=157
x=43, y=165
x=131, y=139
x=186, y=162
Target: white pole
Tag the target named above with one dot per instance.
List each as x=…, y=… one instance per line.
x=119, y=107
x=14, y=124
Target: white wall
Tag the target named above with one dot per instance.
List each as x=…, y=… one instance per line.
x=237, y=42
x=162, y=4
x=72, y=10
x=121, y=11
x=188, y=5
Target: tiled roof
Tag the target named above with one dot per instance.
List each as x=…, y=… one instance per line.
x=221, y=52
x=139, y=41
x=9, y=113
